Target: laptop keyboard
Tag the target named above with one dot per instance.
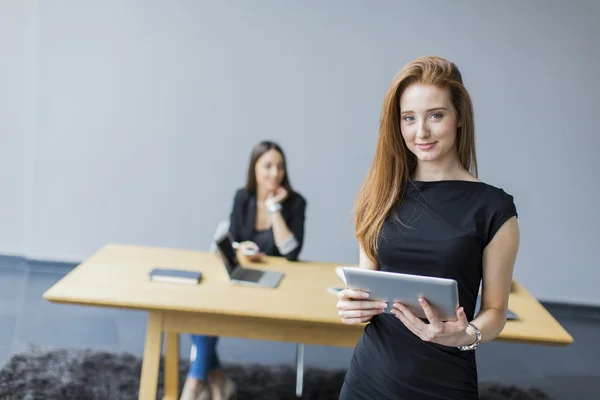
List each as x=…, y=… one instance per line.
x=250, y=275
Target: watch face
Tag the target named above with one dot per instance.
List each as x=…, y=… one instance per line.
x=274, y=207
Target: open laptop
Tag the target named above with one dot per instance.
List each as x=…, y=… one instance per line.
x=239, y=274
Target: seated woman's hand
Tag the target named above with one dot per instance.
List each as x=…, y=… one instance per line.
x=448, y=333
x=250, y=250
x=276, y=197
x=354, y=307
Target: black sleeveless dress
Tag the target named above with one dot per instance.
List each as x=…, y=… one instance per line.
x=445, y=227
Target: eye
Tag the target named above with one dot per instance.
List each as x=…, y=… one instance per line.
x=408, y=118
x=437, y=115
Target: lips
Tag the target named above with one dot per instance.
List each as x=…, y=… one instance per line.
x=426, y=146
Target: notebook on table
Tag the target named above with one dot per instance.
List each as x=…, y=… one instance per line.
x=171, y=275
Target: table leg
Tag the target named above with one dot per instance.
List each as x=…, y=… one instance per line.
x=151, y=360
x=171, y=366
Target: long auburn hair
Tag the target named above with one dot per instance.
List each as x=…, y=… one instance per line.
x=257, y=151
x=394, y=164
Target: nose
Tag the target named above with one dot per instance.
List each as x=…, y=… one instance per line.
x=423, y=130
x=274, y=171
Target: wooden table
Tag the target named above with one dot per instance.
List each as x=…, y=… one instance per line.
x=300, y=310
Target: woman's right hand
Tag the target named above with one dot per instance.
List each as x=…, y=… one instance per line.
x=354, y=307
x=250, y=250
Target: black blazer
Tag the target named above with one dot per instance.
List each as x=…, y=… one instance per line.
x=243, y=217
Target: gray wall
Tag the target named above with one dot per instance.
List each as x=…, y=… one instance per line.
x=17, y=121
x=135, y=119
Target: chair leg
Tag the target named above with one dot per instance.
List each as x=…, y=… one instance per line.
x=299, y=369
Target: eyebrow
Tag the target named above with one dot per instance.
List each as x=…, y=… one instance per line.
x=430, y=110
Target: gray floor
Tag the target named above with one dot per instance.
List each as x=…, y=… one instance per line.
x=571, y=372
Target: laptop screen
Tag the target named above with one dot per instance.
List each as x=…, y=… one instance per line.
x=227, y=252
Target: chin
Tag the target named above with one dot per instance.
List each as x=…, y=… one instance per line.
x=425, y=156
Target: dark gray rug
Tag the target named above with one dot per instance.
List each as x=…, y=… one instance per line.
x=71, y=374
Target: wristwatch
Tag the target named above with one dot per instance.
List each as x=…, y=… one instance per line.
x=273, y=208
x=477, y=341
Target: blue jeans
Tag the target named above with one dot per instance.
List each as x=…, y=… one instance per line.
x=204, y=356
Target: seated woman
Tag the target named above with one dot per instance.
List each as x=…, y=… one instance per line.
x=268, y=219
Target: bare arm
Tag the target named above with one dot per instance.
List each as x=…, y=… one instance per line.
x=281, y=232
x=498, y=264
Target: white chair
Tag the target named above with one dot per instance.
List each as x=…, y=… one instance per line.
x=223, y=227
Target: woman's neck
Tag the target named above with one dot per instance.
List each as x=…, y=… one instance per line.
x=439, y=170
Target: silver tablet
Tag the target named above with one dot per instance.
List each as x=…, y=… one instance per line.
x=390, y=287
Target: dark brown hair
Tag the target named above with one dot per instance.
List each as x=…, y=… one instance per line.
x=394, y=164
x=257, y=152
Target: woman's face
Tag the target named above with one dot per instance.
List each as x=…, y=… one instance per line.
x=428, y=121
x=270, y=170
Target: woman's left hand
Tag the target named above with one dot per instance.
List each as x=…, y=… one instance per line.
x=250, y=250
x=449, y=333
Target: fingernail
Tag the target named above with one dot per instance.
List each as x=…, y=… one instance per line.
x=365, y=294
x=384, y=305
x=421, y=300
